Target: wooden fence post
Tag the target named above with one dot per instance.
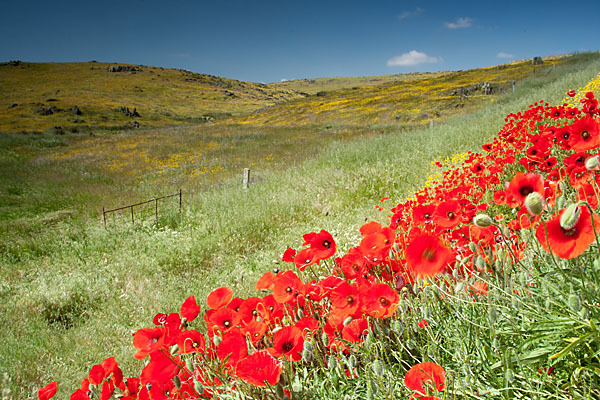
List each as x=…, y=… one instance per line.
x=180, y=200
x=513, y=85
x=132, y=219
x=246, y=178
x=104, y=216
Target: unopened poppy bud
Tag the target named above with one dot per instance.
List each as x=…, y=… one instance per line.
x=482, y=220
x=352, y=361
x=574, y=302
x=398, y=327
x=509, y=375
x=325, y=339
x=592, y=163
x=570, y=217
x=332, y=363
x=177, y=382
x=493, y=315
x=184, y=323
x=378, y=368
x=217, y=340
x=534, y=203
x=300, y=313
x=279, y=390
x=189, y=363
x=307, y=354
x=174, y=349
x=348, y=320
x=561, y=202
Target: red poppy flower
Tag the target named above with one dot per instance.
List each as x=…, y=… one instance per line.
x=232, y=348
x=321, y=244
x=288, y=343
x=190, y=309
x=423, y=213
x=428, y=256
x=521, y=185
x=96, y=375
x=571, y=93
x=220, y=297
x=286, y=286
x=569, y=243
x=345, y=299
x=380, y=300
x=425, y=372
x=356, y=330
x=159, y=319
x=447, y=214
x=223, y=320
x=148, y=341
x=47, y=392
x=266, y=281
x=191, y=341
x=255, y=330
x=305, y=258
x=353, y=265
x=308, y=323
x=288, y=255
x=258, y=368
x=585, y=135
x=79, y=395
x=159, y=370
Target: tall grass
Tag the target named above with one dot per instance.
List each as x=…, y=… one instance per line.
x=71, y=291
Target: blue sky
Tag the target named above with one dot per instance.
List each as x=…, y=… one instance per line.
x=267, y=41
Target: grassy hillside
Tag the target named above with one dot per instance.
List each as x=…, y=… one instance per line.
x=39, y=97
x=413, y=100
x=71, y=290
x=161, y=96
x=316, y=85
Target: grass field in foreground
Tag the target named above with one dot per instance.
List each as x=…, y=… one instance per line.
x=71, y=291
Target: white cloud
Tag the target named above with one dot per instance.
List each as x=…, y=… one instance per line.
x=504, y=55
x=411, y=58
x=407, y=14
x=284, y=80
x=463, y=22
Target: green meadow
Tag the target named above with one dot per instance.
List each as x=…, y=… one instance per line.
x=72, y=290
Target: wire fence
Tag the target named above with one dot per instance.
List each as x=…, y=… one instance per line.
x=148, y=204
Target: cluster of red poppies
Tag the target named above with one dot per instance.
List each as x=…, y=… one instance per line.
x=250, y=342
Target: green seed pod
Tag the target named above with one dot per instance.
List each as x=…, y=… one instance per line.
x=534, y=203
x=509, y=376
x=570, y=217
x=198, y=387
x=492, y=315
x=378, y=368
x=352, y=361
x=189, y=363
x=592, y=163
x=398, y=327
x=515, y=303
x=177, y=382
x=279, y=390
x=574, y=302
x=307, y=351
x=482, y=220
x=332, y=363
x=369, y=390
x=480, y=264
